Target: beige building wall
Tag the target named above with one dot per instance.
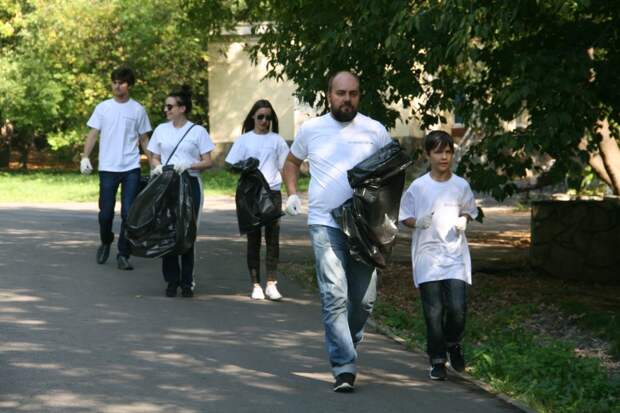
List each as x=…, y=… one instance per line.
x=235, y=84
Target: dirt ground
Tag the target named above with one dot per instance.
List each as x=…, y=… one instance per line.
x=499, y=249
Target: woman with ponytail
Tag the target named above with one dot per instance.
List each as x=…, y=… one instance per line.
x=192, y=155
x=260, y=140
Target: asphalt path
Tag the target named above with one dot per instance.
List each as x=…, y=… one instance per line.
x=76, y=336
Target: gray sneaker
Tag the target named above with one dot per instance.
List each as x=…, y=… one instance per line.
x=344, y=383
x=438, y=372
x=123, y=263
x=103, y=252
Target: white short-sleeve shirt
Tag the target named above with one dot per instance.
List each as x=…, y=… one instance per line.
x=120, y=126
x=332, y=148
x=270, y=149
x=194, y=145
x=439, y=252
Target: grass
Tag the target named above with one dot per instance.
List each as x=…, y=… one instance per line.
x=55, y=186
x=517, y=336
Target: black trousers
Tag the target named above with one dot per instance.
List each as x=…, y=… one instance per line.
x=272, y=242
x=183, y=273
x=445, y=307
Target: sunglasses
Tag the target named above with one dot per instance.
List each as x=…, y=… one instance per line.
x=264, y=117
x=168, y=107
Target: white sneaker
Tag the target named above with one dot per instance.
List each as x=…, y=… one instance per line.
x=271, y=291
x=257, y=293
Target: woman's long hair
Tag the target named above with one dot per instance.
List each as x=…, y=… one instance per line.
x=248, y=123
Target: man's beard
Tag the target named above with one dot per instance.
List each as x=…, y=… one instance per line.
x=341, y=116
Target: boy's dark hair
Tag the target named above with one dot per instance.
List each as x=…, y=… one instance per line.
x=438, y=140
x=183, y=97
x=124, y=74
x=248, y=123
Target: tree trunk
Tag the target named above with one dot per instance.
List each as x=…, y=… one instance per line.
x=24, y=156
x=5, y=156
x=596, y=162
x=6, y=132
x=610, y=154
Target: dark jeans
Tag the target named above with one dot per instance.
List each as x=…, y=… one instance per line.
x=108, y=187
x=272, y=242
x=183, y=274
x=445, y=306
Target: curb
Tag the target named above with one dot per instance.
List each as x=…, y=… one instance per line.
x=378, y=328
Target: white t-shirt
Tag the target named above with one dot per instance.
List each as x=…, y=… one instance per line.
x=120, y=125
x=332, y=148
x=439, y=252
x=196, y=143
x=270, y=149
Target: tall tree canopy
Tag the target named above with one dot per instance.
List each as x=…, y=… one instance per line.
x=57, y=56
x=552, y=61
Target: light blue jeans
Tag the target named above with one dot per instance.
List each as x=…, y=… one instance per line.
x=348, y=290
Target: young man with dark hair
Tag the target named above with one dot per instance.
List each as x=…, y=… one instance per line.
x=438, y=206
x=122, y=123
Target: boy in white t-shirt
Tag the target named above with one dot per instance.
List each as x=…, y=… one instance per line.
x=122, y=123
x=438, y=206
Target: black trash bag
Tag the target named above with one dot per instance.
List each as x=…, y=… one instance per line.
x=162, y=218
x=256, y=206
x=370, y=217
x=144, y=181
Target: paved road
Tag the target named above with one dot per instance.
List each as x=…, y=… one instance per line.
x=80, y=337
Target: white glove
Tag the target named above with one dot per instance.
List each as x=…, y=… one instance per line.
x=85, y=167
x=424, y=221
x=156, y=170
x=293, y=205
x=461, y=223
x=181, y=167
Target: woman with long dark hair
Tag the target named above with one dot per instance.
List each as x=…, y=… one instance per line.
x=192, y=155
x=261, y=140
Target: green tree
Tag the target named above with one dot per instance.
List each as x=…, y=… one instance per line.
x=11, y=23
x=490, y=61
x=62, y=57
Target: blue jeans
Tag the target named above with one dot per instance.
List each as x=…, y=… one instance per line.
x=108, y=187
x=348, y=289
x=183, y=274
x=445, y=306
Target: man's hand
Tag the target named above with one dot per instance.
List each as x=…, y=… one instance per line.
x=293, y=205
x=85, y=167
x=461, y=223
x=156, y=170
x=181, y=167
x=424, y=222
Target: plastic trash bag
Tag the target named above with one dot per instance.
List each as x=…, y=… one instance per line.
x=162, y=219
x=256, y=205
x=370, y=217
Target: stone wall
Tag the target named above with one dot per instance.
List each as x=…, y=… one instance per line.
x=577, y=239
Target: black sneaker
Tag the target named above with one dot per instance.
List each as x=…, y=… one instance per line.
x=171, y=290
x=123, y=263
x=457, y=359
x=187, y=292
x=103, y=252
x=438, y=372
x=344, y=383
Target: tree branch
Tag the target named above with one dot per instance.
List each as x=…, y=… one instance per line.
x=610, y=153
x=596, y=162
